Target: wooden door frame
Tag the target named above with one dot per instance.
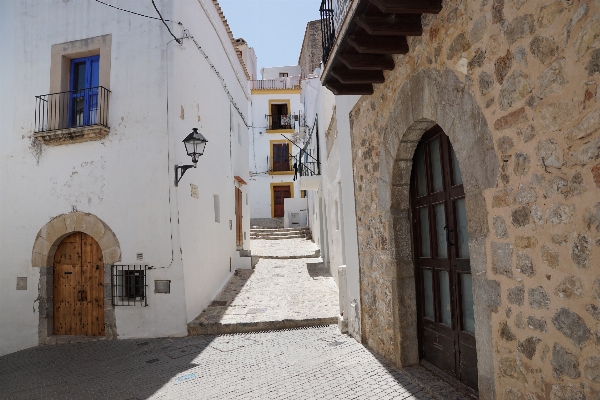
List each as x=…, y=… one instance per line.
x=239, y=227
x=447, y=196
x=44, y=248
x=290, y=184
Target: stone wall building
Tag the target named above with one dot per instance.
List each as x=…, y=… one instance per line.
x=513, y=86
x=312, y=51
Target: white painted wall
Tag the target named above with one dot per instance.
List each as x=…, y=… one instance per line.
x=331, y=209
x=345, y=189
x=127, y=178
x=273, y=72
x=209, y=252
x=298, y=207
x=249, y=57
x=260, y=151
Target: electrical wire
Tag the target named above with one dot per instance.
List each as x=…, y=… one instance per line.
x=186, y=35
x=131, y=12
x=165, y=24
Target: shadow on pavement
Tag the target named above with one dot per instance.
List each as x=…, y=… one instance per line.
x=221, y=304
x=106, y=369
x=317, y=270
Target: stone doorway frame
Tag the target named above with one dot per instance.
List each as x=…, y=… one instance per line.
x=44, y=248
x=429, y=98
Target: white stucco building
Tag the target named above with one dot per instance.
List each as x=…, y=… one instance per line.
x=277, y=121
x=330, y=194
x=90, y=216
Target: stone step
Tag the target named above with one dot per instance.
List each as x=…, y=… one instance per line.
x=275, y=237
x=281, y=231
x=196, y=328
x=316, y=254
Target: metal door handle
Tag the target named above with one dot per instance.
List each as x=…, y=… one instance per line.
x=448, y=230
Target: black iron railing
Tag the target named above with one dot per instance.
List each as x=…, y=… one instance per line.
x=72, y=109
x=307, y=164
x=128, y=285
x=291, y=82
x=277, y=122
x=327, y=27
x=333, y=13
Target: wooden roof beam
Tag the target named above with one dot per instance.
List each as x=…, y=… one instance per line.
x=369, y=44
x=340, y=89
x=394, y=25
x=367, y=61
x=349, y=76
x=409, y=6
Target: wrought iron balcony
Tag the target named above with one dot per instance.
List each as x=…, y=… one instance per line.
x=291, y=82
x=308, y=165
x=332, y=16
x=280, y=122
x=73, y=116
x=360, y=37
x=72, y=109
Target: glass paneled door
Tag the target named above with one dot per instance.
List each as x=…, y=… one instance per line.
x=83, y=102
x=443, y=271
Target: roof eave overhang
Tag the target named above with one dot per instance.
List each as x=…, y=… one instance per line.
x=371, y=33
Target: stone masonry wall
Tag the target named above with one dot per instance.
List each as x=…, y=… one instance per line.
x=312, y=51
x=532, y=68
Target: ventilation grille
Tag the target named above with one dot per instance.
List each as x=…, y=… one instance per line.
x=139, y=256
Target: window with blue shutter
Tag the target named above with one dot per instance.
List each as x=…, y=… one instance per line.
x=83, y=109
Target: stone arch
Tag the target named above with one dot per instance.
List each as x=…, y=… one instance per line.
x=44, y=248
x=430, y=97
x=51, y=234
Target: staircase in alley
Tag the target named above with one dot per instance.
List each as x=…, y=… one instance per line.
x=288, y=287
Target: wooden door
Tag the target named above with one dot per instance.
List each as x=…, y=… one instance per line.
x=78, y=287
x=441, y=247
x=279, y=194
x=239, y=236
x=281, y=157
x=279, y=114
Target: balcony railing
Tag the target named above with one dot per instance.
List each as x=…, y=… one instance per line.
x=291, y=82
x=308, y=165
x=72, y=109
x=333, y=13
x=279, y=122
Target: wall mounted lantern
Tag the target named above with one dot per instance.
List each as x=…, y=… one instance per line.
x=194, y=146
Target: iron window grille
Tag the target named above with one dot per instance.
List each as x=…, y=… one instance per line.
x=128, y=285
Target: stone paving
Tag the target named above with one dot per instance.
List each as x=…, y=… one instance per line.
x=283, y=248
x=289, y=289
x=312, y=363
x=266, y=222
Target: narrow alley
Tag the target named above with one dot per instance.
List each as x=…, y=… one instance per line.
x=269, y=334
x=288, y=287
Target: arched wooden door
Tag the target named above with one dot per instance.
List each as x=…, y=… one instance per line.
x=78, y=287
x=443, y=271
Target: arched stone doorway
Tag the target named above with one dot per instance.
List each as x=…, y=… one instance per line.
x=45, y=247
x=427, y=98
x=445, y=319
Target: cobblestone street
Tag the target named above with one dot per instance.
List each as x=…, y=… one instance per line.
x=310, y=363
x=288, y=288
